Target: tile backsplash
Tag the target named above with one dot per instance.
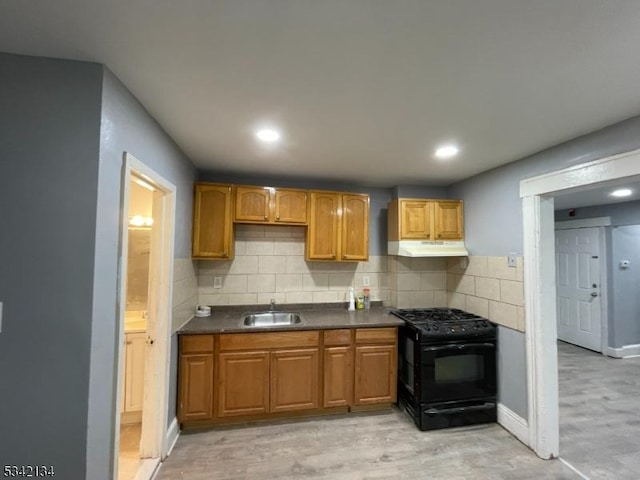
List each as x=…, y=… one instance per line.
x=487, y=286
x=269, y=263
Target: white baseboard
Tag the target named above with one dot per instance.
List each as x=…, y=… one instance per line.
x=513, y=423
x=625, y=351
x=173, y=432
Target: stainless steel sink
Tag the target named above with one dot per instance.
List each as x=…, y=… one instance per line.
x=270, y=319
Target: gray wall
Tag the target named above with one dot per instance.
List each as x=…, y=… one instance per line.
x=625, y=213
x=126, y=126
x=49, y=143
x=493, y=221
x=624, y=285
x=623, y=240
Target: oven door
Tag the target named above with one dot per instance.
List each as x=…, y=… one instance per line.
x=457, y=370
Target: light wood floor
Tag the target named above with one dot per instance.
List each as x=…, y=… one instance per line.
x=129, y=455
x=599, y=413
x=599, y=431
x=364, y=446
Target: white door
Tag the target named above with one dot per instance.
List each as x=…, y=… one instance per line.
x=578, y=287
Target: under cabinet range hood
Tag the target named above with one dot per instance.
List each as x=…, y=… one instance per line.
x=420, y=248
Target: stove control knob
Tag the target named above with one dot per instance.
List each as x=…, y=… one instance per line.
x=463, y=329
x=435, y=328
x=453, y=329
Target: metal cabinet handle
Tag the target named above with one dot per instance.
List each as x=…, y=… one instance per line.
x=594, y=294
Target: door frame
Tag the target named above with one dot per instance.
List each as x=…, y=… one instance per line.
x=153, y=441
x=540, y=287
x=599, y=223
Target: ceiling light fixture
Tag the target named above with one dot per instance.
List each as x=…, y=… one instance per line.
x=623, y=192
x=268, y=135
x=447, y=151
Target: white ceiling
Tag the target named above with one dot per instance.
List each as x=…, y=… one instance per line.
x=364, y=90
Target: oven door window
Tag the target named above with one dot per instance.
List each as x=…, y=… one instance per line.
x=458, y=371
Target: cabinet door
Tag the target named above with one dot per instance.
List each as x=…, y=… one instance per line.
x=415, y=220
x=195, y=397
x=243, y=383
x=355, y=227
x=338, y=377
x=253, y=204
x=294, y=380
x=135, y=355
x=212, y=226
x=375, y=374
x=324, y=226
x=290, y=206
x=448, y=220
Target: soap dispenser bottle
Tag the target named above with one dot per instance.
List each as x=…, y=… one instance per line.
x=352, y=300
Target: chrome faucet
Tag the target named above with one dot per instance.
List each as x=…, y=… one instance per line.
x=272, y=305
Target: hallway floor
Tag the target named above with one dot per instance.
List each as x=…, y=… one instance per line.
x=599, y=413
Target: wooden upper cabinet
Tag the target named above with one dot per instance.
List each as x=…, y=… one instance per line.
x=324, y=226
x=253, y=204
x=338, y=227
x=425, y=219
x=448, y=220
x=212, y=224
x=416, y=219
x=290, y=206
x=270, y=205
x=355, y=227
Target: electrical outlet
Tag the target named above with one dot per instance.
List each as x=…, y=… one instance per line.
x=217, y=282
x=366, y=281
x=512, y=259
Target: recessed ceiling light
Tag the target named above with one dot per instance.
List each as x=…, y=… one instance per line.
x=447, y=151
x=623, y=192
x=268, y=135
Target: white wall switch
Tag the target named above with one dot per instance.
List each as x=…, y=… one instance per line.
x=512, y=259
x=366, y=281
x=217, y=282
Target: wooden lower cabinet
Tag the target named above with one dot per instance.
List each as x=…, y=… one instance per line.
x=338, y=377
x=263, y=375
x=196, y=372
x=294, y=380
x=375, y=374
x=243, y=383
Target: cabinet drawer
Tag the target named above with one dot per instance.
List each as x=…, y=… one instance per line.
x=376, y=335
x=337, y=337
x=250, y=341
x=196, y=343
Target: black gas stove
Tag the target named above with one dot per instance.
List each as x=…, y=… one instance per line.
x=447, y=367
x=445, y=322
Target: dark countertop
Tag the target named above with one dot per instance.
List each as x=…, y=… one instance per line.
x=315, y=318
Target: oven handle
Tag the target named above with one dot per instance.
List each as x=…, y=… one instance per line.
x=447, y=411
x=459, y=346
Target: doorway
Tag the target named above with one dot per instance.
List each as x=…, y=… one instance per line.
x=145, y=287
x=540, y=288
